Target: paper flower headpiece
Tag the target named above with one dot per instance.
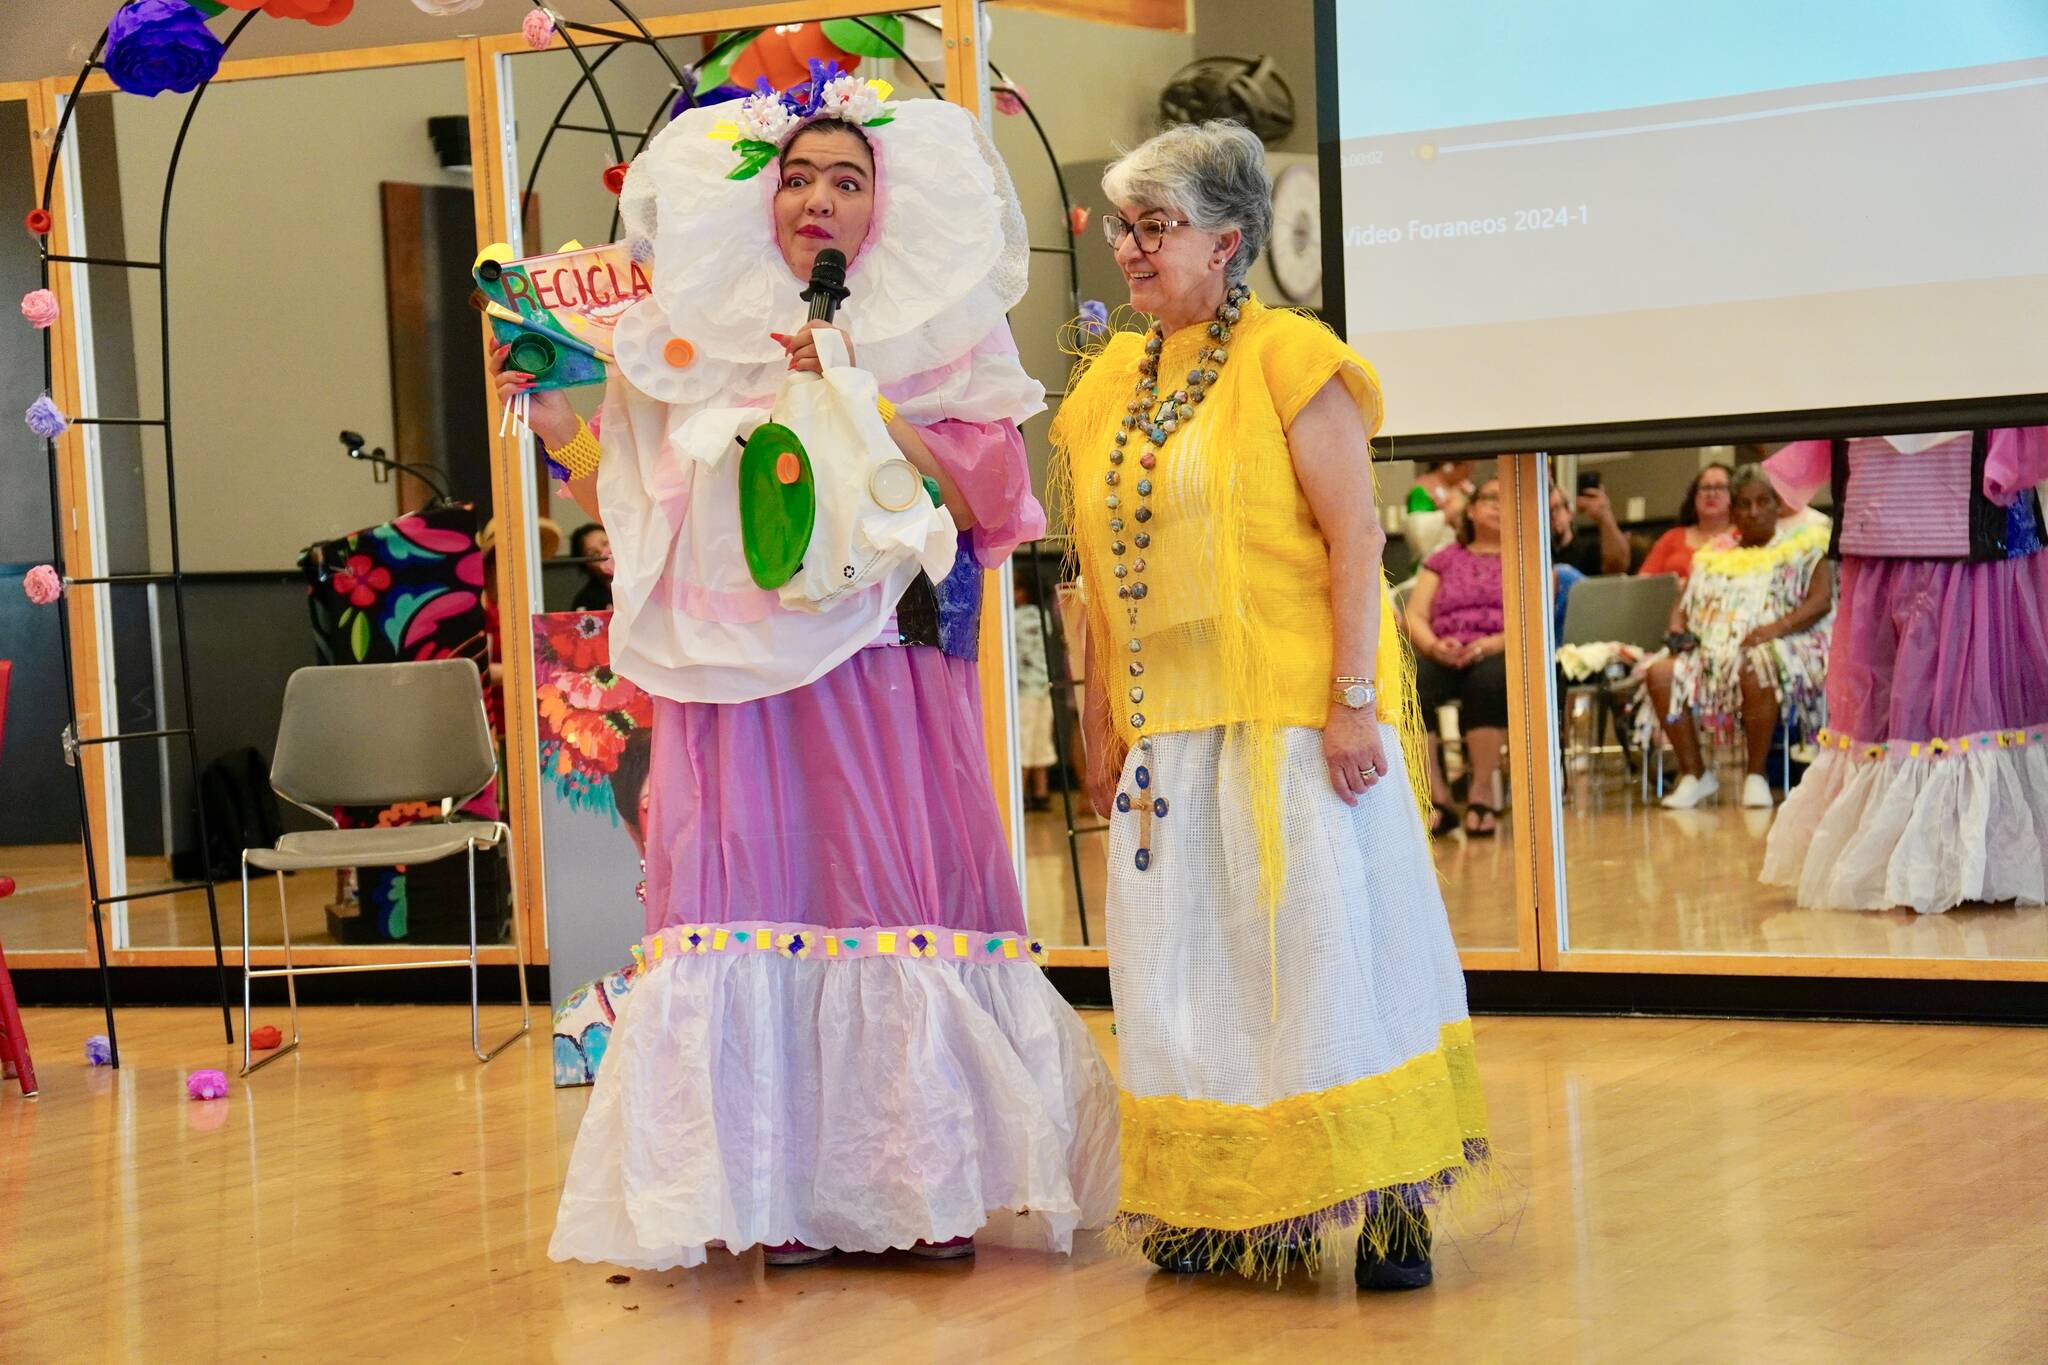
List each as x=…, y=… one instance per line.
x=764, y=120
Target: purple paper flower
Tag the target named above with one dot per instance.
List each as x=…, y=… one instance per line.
x=46, y=419
x=159, y=45
x=1094, y=317
x=43, y=587
x=207, y=1085
x=98, y=1051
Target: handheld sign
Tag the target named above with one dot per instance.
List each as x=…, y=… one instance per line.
x=557, y=311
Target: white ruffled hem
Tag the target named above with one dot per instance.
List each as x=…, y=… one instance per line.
x=1932, y=834
x=858, y=1105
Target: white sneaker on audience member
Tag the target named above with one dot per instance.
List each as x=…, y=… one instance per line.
x=1691, y=791
x=1756, y=792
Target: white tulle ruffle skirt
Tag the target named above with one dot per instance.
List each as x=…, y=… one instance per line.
x=861, y=1105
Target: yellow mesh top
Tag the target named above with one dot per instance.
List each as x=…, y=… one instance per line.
x=1236, y=629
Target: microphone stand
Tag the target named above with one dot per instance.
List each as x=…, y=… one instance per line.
x=425, y=473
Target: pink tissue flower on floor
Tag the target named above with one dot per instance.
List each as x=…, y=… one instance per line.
x=207, y=1085
x=42, y=585
x=39, y=306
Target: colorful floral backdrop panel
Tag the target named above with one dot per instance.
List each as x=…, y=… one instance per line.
x=595, y=740
x=402, y=592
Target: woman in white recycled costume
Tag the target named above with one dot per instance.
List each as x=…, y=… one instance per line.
x=841, y=1039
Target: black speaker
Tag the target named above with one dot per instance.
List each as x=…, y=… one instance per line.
x=450, y=136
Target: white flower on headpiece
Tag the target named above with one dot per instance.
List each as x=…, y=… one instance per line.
x=763, y=118
x=852, y=99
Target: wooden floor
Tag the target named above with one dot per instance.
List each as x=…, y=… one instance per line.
x=1690, y=1191
x=48, y=908
x=1638, y=878
x=1643, y=879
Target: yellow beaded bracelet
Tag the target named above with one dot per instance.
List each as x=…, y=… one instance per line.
x=581, y=454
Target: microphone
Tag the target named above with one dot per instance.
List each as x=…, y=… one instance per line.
x=827, y=289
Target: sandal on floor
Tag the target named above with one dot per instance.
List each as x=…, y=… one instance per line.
x=1446, y=822
x=1473, y=808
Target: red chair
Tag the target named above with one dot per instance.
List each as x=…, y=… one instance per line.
x=13, y=1040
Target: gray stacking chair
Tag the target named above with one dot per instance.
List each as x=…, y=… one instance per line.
x=372, y=735
x=1631, y=610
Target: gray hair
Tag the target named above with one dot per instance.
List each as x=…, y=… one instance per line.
x=1744, y=476
x=1214, y=174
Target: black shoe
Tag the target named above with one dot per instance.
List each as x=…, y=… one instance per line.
x=1406, y=1264
x=1187, y=1259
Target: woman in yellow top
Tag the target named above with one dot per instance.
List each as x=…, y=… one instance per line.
x=1296, y=1060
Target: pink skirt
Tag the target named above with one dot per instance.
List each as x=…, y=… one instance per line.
x=1938, y=648
x=860, y=801
x=1931, y=789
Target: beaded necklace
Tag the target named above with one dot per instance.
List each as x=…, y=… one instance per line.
x=1157, y=418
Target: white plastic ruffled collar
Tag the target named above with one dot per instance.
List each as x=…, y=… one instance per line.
x=946, y=257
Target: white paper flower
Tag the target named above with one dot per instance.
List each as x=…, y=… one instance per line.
x=763, y=118
x=852, y=99
x=441, y=9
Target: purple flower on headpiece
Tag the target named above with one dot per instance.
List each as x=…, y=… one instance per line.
x=46, y=419
x=1094, y=317
x=686, y=94
x=159, y=45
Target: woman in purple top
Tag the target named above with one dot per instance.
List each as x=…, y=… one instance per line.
x=1455, y=620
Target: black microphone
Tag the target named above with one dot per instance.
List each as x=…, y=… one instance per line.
x=827, y=289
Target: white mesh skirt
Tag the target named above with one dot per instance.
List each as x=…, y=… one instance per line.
x=861, y=1105
x=1283, y=1116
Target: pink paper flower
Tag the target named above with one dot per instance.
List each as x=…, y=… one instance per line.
x=42, y=585
x=539, y=29
x=207, y=1085
x=1010, y=99
x=39, y=306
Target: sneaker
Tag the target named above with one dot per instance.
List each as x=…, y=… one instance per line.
x=1406, y=1264
x=796, y=1253
x=1692, y=791
x=951, y=1250
x=1756, y=792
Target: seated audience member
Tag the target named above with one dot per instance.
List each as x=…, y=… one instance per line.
x=1702, y=517
x=1457, y=623
x=1749, y=641
x=1598, y=548
x=1436, y=507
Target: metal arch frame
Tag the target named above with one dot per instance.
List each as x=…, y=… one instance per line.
x=175, y=577
x=618, y=41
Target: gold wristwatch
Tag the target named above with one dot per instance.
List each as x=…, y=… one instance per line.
x=1356, y=693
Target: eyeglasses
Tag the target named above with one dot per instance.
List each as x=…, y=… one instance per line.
x=1151, y=232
